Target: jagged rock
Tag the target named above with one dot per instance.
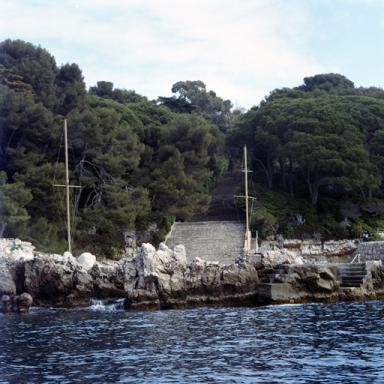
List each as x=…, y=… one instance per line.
x=11, y=275
x=162, y=279
x=57, y=280
x=7, y=278
x=314, y=279
x=16, y=250
x=281, y=256
x=87, y=260
x=108, y=280
x=16, y=303
x=24, y=302
x=153, y=275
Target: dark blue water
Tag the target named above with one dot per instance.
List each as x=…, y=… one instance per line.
x=314, y=343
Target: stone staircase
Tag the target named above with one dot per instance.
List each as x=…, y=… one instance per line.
x=352, y=275
x=221, y=241
x=223, y=206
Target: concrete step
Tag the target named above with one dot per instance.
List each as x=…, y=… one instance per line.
x=353, y=278
x=357, y=273
x=351, y=284
x=352, y=275
x=221, y=241
x=223, y=205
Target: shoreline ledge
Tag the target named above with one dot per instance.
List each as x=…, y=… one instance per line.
x=162, y=279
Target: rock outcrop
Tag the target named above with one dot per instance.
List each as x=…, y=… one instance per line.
x=108, y=279
x=55, y=280
x=13, y=255
x=163, y=279
x=87, y=260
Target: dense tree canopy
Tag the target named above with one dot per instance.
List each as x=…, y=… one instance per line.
x=192, y=96
x=322, y=141
x=139, y=165
x=317, y=152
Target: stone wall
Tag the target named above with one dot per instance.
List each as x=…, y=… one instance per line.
x=371, y=250
x=220, y=241
x=312, y=251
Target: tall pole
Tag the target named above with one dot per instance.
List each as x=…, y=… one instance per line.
x=246, y=199
x=67, y=185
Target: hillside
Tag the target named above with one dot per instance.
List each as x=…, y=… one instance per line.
x=316, y=150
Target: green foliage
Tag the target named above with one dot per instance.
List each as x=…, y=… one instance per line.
x=192, y=96
x=140, y=165
x=321, y=142
x=317, y=151
x=14, y=216
x=105, y=90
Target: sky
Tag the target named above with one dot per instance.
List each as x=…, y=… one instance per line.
x=241, y=49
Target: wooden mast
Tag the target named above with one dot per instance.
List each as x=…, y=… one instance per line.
x=247, y=242
x=67, y=187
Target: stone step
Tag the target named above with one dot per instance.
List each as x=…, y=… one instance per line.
x=221, y=241
x=351, y=284
x=352, y=273
x=356, y=277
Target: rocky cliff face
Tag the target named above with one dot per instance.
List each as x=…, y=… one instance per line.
x=163, y=279
x=13, y=256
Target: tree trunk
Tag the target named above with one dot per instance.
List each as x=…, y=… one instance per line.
x=283, y=174
x=313, y=186
x=290, y=179
x=269, y=172
x=268, y=175
x=315, y=194
x=364, y=196
x=3, y=227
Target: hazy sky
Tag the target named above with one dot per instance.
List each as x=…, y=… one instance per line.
x=242, y=49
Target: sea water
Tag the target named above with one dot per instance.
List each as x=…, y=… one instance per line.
x=312, y=343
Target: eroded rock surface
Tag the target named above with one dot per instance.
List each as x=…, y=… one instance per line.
x=13, y=255
x=162, y=278
x=57, y=281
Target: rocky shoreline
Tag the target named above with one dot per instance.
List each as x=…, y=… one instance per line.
x=162, y=278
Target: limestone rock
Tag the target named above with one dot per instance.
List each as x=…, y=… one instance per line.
x=87, y=260
x=16, y=303
x=16, y=250
x=152, y=275
x=7, y=279
x=24, y=302
x=314, y=251
x=281, y=256
x=57, y=280
x=108, y=279
x=162, y=279
x=315, y=279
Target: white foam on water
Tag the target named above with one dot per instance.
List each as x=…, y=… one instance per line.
x=106, y=305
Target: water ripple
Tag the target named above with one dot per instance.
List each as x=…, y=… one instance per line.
x=314, y=343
